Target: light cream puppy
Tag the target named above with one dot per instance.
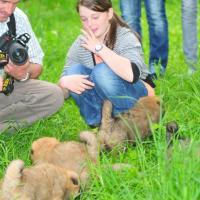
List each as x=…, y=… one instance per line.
x=71, y=155
x=40, y=182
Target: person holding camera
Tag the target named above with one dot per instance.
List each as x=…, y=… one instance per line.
x=28, y=99
x=105, y=62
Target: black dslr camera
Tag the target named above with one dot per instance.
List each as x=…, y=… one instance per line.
x=15, y=49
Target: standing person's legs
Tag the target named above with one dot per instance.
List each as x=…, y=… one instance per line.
x=30, y=101
x=108, y=85
x=189, y=28
x=158, y=34
x=131, y=13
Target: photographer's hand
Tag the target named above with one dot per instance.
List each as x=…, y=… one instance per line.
x=17, y=72
x=76, y=83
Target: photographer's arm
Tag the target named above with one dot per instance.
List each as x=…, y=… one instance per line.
x=20, y=72
x=34, y=70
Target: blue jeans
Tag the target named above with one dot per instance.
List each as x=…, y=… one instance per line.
x=108, y=85
x=158, y=26
x=189, y=27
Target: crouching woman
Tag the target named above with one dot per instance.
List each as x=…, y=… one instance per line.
x=105, y=62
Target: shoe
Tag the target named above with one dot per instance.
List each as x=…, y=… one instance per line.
x=152, y=71
x=154, y=76
x=162, y=71
x=13, y=127
x=191, y=70
x=94, y=126
x=152, y=68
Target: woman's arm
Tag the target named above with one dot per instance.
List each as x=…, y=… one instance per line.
x=115, y=62
x=120, y=62
x=76, y=83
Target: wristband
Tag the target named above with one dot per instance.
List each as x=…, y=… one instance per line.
x=98, y=48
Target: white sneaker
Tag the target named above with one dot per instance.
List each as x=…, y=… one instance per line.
x=162, y=70
x=191, y=70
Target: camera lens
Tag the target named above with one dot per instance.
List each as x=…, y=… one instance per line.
x=18, y=54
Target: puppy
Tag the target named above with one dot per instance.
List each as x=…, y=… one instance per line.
x=128, y=126
x=184, y=143
x=40, y=182
x=71, y=155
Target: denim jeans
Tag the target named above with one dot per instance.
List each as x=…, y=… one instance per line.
x=189, y=27
x=108, y=85
x=158, y=26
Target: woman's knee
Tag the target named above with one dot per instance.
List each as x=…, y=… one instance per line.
x=102, y=76
x=76, y=97
x=75, y=69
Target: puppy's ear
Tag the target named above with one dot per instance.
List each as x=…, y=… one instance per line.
x=73, y=187
x=73, y=177
x=32, y=155
x=171, y=131
x=158, y=101
x=74, y=180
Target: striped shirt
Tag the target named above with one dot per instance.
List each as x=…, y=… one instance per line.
x=23, y=26
x=127, y=45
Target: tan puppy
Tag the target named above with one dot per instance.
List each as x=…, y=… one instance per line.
x=71, y=155
x=128, y=126
x=40, y=182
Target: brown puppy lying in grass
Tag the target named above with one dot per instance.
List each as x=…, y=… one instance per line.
x=129, y=126
x=40, y=182
x=71, y=155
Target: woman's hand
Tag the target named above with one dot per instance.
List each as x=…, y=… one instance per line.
x=76, y=83
x=89, y=41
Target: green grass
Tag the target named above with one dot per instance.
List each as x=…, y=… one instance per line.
x=56, y=24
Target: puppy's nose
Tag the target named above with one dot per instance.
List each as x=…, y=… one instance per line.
x=172, y=127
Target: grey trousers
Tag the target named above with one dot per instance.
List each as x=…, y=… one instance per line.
x=190, y=31
x=30, y=101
